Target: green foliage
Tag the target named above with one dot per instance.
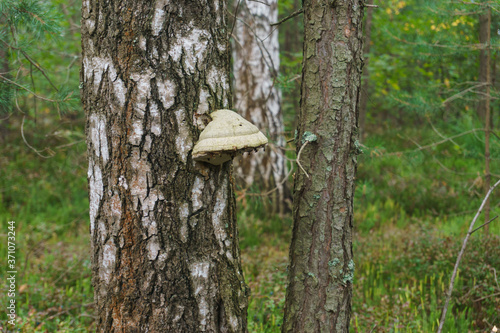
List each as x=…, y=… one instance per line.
x=31, y=17
x=423, y=53
x=35, y=75
x=412, y=209
x=443, y=179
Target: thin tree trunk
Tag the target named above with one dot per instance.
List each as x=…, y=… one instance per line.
x=165, y=254
x=257, y=98
x=321, y=260
x=484, y=104
x=366, y=74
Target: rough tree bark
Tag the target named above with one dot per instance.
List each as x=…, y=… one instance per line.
x=484, y=103
x=165, y=254
x=321, y=261
x=257, y=98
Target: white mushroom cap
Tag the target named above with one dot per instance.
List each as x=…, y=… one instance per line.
x=225, y=136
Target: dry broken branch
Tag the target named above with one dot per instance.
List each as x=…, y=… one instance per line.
x=460, y=254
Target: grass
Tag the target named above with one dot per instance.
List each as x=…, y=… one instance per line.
x=410, y=218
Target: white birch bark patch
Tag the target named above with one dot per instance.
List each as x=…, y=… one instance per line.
x=108, y=261
x=184, y=140
x=96, y=190
x=199, y=278
x=98, y=136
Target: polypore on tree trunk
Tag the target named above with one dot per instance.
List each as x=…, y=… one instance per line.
x=227, y=135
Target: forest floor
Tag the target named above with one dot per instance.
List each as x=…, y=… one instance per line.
x=401, y=277
x=410, y=219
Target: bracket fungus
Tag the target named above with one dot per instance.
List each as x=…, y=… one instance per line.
x=227, y=135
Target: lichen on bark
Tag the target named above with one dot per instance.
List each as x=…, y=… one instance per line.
x=165, y=255
x=321, y=260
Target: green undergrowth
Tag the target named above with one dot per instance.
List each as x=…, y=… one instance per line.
x=397, y=182
x=411, y=215
x=404, y=273
x=44, y=193
x=54, y=291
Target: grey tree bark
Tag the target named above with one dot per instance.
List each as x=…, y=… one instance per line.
x=321, y=260
x=257, y=98
x=165, y=254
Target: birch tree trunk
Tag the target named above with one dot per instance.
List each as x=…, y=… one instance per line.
x=321, y=261
x=257, y=98
x=165, y=254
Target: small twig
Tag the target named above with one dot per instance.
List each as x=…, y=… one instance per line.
x=69, y=309
x=10, y=114
x=477, y=46
x=235, y=15
x=434, y=144
x=32, y=62
x=292, y=15
x=373, y=6
x=265, y=194
x=69, y=144
x=485, y=297
x=31, y=147
x=435, y=129
x=262, y=2
x=298, y=158
x=482, y=225
x=33, y=84
x=460, y=254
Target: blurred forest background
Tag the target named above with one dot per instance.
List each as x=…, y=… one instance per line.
x=420, y=180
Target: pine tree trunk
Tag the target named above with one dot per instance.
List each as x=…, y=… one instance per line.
x=363, y=103
x=165, y=254
x=321, y=261
x=484, y=104
x=258, y=99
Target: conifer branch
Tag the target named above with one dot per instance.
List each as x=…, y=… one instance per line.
x=28, y=90
x=33, y=62
x=477, y=46
x=435, y=143
x=463, y=92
